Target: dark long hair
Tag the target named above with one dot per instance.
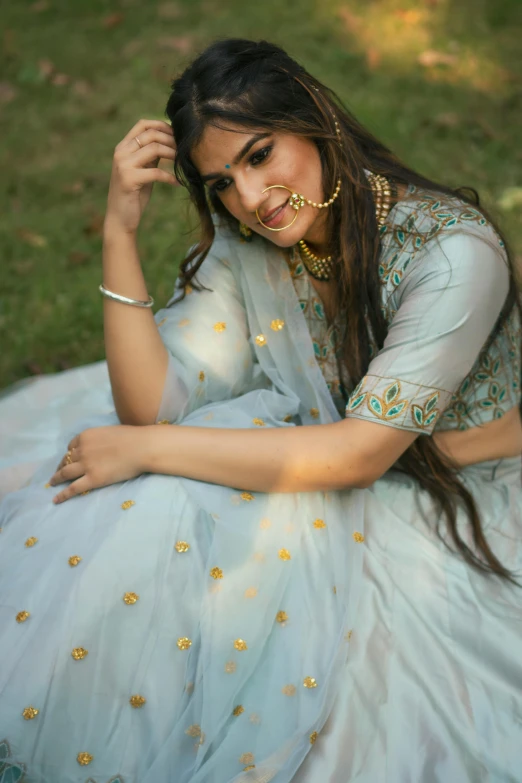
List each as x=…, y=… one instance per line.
x=256, y=84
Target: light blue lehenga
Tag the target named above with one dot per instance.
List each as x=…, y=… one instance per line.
x=164, y=630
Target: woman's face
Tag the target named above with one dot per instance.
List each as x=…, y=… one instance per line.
x=238, y=166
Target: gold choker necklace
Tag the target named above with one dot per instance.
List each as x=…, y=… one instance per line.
x=383, y=192
x=320, y=268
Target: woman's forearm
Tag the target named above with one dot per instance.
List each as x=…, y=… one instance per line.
x=136, y=356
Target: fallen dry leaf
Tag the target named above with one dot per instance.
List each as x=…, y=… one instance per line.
x=448, y=119
x=132, y=48
x=74, y=187
x=7, y=92
x=351, y=21
x=431, y=58
x=82, y=88
x=180, y=43
x=410, y=16
x=31, y=238
x=113, y=20
x=60, y=79
x=373, y=58
x=77, y=258
x=33, y=368
x=169, y=11
x=23, y=268
x=46, y=68
x=95, y=225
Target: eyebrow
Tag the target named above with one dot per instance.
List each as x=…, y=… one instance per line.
x=241, y=154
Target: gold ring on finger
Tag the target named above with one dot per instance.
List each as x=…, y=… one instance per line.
x=140, y=145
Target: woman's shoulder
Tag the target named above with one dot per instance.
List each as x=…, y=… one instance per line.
x=421, y=215
x=426, y=228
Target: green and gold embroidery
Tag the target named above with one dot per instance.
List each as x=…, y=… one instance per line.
x=389, y=405
x=426, y=415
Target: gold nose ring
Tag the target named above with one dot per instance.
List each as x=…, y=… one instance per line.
x=295, y=201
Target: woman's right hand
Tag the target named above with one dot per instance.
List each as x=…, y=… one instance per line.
x=134, y=172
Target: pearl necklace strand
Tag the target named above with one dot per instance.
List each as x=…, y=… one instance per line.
x=383, y=191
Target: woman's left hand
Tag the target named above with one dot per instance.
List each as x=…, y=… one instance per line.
x=98, y=457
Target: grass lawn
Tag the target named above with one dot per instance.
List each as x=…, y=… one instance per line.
x=439, y=81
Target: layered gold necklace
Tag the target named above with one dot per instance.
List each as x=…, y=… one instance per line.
x=384, y=191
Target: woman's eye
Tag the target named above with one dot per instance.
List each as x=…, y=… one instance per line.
x=260, y=155
x=221, y=185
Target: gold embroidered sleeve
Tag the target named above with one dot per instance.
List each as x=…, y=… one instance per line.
x=401, y=404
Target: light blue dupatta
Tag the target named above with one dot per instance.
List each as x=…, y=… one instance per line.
x=272, y=631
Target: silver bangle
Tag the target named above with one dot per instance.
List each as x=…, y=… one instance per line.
x=125, y=299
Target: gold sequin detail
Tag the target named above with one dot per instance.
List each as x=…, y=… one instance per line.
x=162, y=322
x=247, y=758
x=284, y=554
x=220, y=326
x=216, y=573
x=79, y=653
x=189, y=687
x=128, y=504
x=319, y=524
x=184, y=322
x=251, y=592
x=265, y=524
x=181, y=546
x=238, y=710
x=137, y=701
x=84, y=758
x=313, y=737
x=46, y=486
x=261, y=340
x=277, y=324
x=240, y=645
x=288, y=417
x=131, y=598
x=21, y=617
x=258, y=422
x=164, y=421
x=74, y=560
x=250, y=766
x=334, y=588
x=29, y=713
x=184, y=643
x=230, y=667
x=194, y=730
x=281, y=617
x=188, y=289
x=288, y=690
x=247, y=496
x=309, y=682
x=201, y=375
x=348, y=636
x=314, y=413
x=87, y=491
x=358, y=537
x=31, y=541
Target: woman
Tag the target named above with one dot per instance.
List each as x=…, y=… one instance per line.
x=315, y=576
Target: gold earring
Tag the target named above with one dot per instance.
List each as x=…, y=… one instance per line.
x=245, y=233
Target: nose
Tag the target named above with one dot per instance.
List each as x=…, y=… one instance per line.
x=249, y=189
